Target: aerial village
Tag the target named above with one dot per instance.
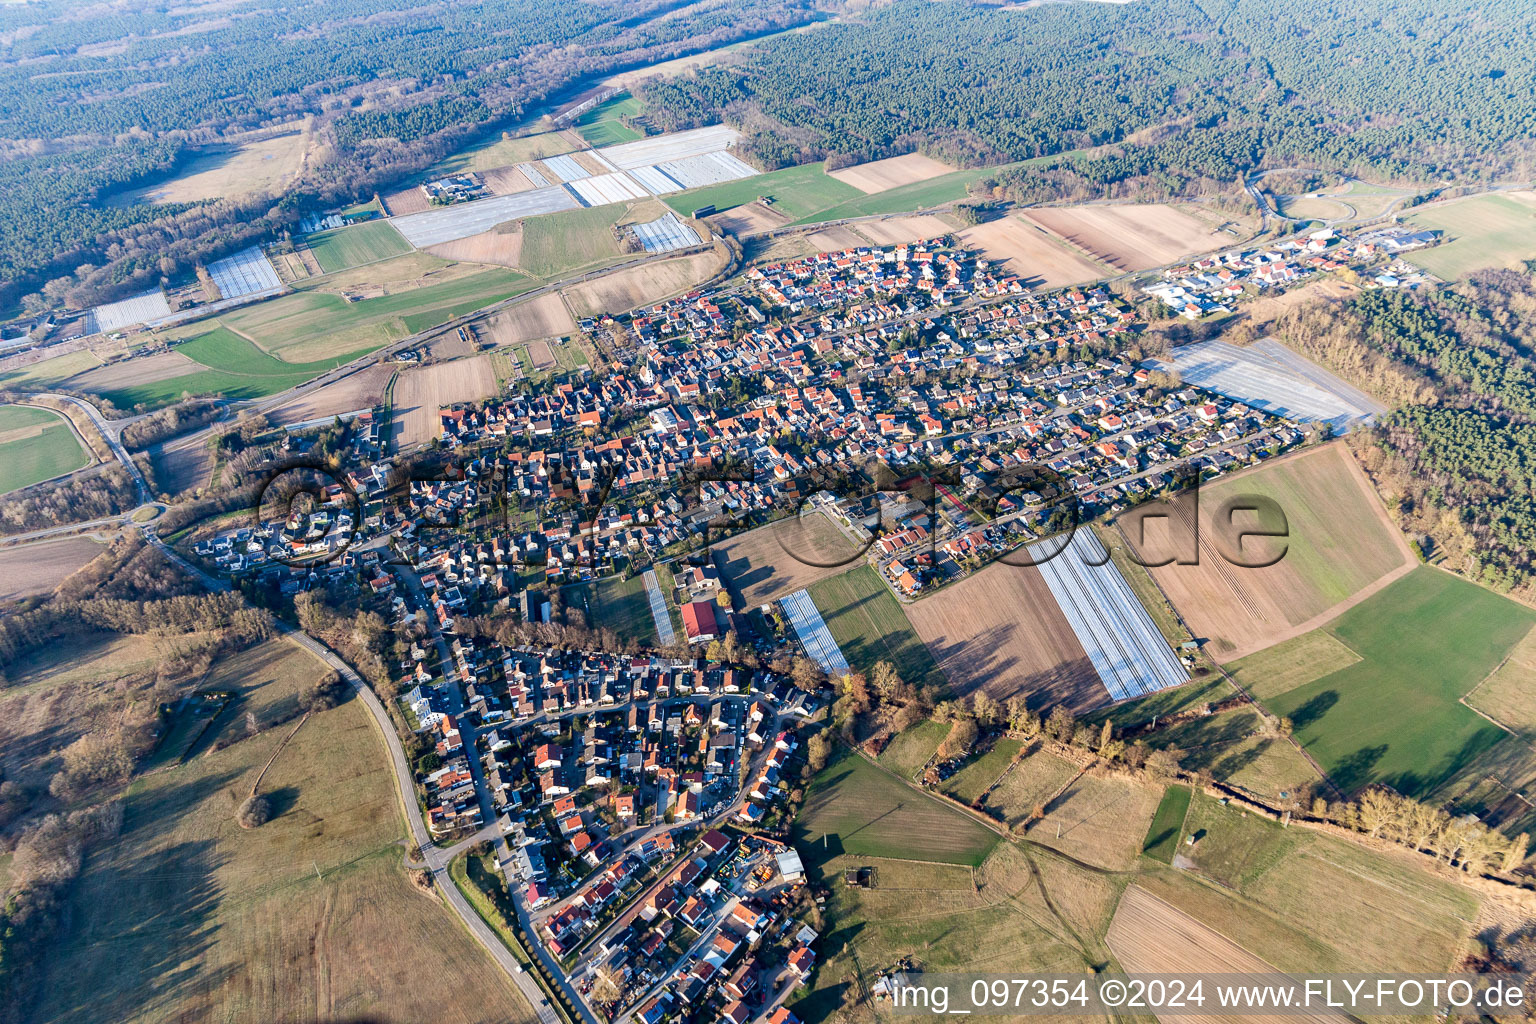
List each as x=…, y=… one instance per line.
x=636, y=783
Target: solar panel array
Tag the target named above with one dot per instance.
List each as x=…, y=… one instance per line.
x=1127, y=651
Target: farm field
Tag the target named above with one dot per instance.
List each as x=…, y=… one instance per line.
x=1269, y=376
x=631, y=287
x=53, y=370
x=1002, y=631
x=542, y=317
x=1340, y=543
x=502, y=246
x=1150, y=936
x=391, y=300
x=868, y=625
x=228, y=364
x=1395, y=716
x=1505, y=696
x=940, y=918
x=761, y=565
x=361, y=390
x=969, y=783
x=1032, y=782
x=422, y=390
x=38, y=567
x=1314, y=207
x=1496, y=230
x=563, y=243
x=912, y=748
x=893, y=172
x=36, y=445
x=1315, y=903
x=1167, y=826
x=601, y=126
x=797, y=191
x=285, y=921
x=501, y=152
x=355, y=245
x=858, y=809
x=219, y=172
x=745, y=219
x=1032, y=253
x=1292, y=663
x=1101, y=820
x=895, y=230
x=1131, y=237
x=835, y=239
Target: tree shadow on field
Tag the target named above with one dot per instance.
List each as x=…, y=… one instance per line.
x=1356, y=771
x=1314, y=709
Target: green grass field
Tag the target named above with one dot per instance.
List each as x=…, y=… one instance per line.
x=1486, y=231
x=1292, y=663
x=357, y=244
x=36, y=445
x=797, y=191
x=856, y=808
x=619, y=605
x=1311, y=902
x=910, y=750
x=1395, y=716
x=968, y=784
x=236, y=369
x=309, y=915
x=559, y=243
x=601, y=126
x=47, y=372
x=869, y=626
x=1167, y=824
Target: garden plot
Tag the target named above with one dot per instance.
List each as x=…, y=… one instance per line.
x=813, y=633
x=465, y=219
x=1124, y=644
x=665, y=234
x=675, y=146
x=606, y=188
x=114, y=316
x=1269, y=376
x=707, y=169
x=655, y=180
x=247, y=272
x=566, y=168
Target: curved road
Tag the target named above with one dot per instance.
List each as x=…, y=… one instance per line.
x=436, y=859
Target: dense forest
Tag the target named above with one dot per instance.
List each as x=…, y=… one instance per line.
x=1151, y=99
x=1456, y=460
x=98, y=97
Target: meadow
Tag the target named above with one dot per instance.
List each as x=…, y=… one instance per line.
x=856, y=808
x=912, y=748
x=798, y=192
x=559, y=244
x=1167, y=826
x=187, y=916
x=36, y=445
x=1395, y=715
x=1238, y=749
x=355, y=245
x=1496, y=230
x=969, y=783
x=619, y=605
x=1306, y=901
x=869, y=626
x=601, y=126
x=1028, y=787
